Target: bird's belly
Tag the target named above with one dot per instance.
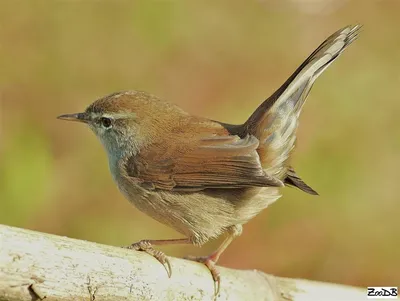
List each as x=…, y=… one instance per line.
x=195, y=215
x=202, y=215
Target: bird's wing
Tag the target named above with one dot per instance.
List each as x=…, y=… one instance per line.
x=226, y=161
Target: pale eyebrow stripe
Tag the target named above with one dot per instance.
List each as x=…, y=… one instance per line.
x=121, y=115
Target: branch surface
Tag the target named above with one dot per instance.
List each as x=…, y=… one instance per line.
x=39, y=266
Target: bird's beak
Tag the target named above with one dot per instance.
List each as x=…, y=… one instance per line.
x=80, y=117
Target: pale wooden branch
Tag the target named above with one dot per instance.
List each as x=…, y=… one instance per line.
x=35, y=266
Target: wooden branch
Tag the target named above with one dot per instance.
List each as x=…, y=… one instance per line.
x=36, y=266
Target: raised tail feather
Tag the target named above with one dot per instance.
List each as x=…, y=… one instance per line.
x=275, y=121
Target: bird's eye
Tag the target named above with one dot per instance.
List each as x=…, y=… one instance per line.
x=105, y=122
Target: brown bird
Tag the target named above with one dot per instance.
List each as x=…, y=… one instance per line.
x=202, y=177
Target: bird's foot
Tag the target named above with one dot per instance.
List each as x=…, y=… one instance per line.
x=145, y=246
x=209, y=262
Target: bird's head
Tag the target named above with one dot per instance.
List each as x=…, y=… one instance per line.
x=125, y=121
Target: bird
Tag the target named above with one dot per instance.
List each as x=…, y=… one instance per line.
x=202, y=177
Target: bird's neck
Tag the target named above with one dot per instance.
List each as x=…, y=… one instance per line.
x=117, y=150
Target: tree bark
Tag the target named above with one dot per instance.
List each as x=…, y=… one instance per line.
x=39, y=266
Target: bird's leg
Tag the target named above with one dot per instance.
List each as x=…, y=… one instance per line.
x=147, y=246
x=211, y=260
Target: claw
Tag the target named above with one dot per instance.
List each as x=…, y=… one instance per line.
x=163, y=259
x=210, y=264
x=217, y=282
x=169, y=270
x=145, y=246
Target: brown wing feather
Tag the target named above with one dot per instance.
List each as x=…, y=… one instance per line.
x=195, y=164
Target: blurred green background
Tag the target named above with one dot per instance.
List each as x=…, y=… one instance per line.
x=217, y=59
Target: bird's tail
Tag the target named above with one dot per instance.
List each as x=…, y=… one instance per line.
x=275, y=121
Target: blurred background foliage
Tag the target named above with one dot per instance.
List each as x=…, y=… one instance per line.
x=218, y=59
